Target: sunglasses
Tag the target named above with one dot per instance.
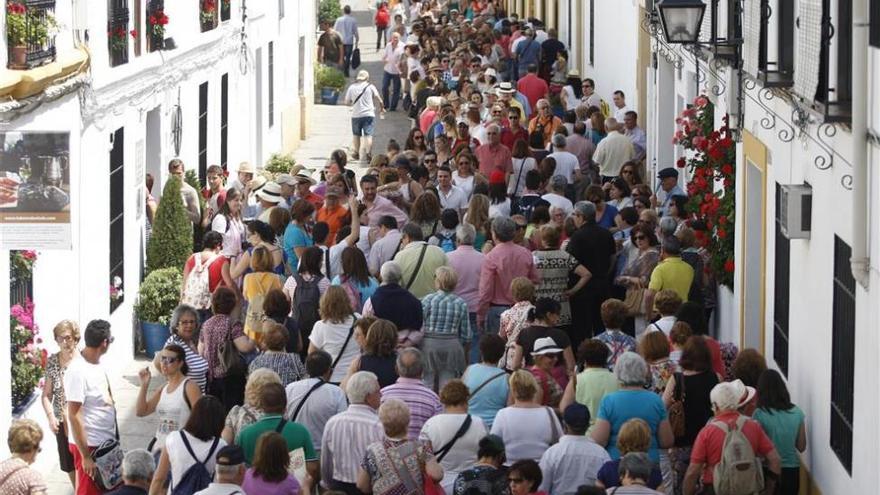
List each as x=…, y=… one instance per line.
x=427, y=160
x=418, y=137
x=639, y=238
x=168, y=359
x=513, y=117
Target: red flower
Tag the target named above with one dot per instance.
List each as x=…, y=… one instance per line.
x=726, y=143
x=701, y=101
x=153, y=19
x=134, y=33
x=727, y=169
x=722, y=220
x=716, y=153
x=729, y=266
x=722, y=233
x=681, y=163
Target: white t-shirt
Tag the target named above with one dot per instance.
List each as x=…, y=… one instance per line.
x=180, y=458
x=440, y=429
x=521, y=167
x=363, y=107
x=500, y=209
x=525, y=443
x=455, y=199
x=336, y=250
x=566, y=164
x=330, y=337
x=466, y=184
x=88, y=384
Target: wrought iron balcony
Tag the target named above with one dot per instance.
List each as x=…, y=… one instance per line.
x=30, y=29
x=156, y=22
x=208, y=14
x=117, y=31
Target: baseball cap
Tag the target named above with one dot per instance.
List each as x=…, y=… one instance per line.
x=667, y=173
x=576, y=416
x=230, y=455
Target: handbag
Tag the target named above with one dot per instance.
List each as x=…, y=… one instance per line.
x=108, y=456
x=356, y=58
x=635, y=297
x=676, y=407
x=231, y=361
x=431, y=487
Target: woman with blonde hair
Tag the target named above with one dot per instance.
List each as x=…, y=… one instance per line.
x=513, y=320
x=67, y=335
x=478, y=216
x=333, y=334
x=16, y=475
x=251, y=411
x=446, y=326
x=635, y=436
x=269, y=475
x=544, y=428
x=255, y=287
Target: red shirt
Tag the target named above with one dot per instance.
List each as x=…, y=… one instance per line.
x=492, y=156
x=710, y=442
x=534, y=88
x=509, y=137
x=715, y=351
x=215, y=271
x=505, y=262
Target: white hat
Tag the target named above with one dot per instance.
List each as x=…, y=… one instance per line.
x=246, y=167
x=726, y=396
x=270, y=192
x=256, y=183
x=490, y=72
x=506, y=87
x=545, y=345
x=363, y=75
x=286, y=179
x=300, y=178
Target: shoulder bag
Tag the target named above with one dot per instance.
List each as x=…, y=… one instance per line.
x=465, y=426
x=231, y=361
x=415, y=272
x=554, y=431
x=344, y=344
x=360, y=95
x=108, y=455
x=676, y=407
x=514, y=197
x=305, y=398
x=488, y=381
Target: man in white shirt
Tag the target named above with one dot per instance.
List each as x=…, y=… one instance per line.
x=613, y=151
x=391, y=71
x=576, y=459
x=347, y=27
x=451, y=196
x=347, y=434
x=187, y=192
x=363, y=97
x=311, y=404
x=620, y=107
x=567, y=164
x=590, y=98
x=556, y=196
x=635, y=134
x=91, y=410
x=388, y=245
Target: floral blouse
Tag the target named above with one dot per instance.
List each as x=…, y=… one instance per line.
x=241, y=416
x=512, y=322
x=395, y=466
x=288, y=366
x=551, y=391
x=55, y=372
x=661, y=372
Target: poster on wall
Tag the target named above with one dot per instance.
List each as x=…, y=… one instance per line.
x=35, y=190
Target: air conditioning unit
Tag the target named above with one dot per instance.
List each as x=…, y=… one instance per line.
x=795, y=210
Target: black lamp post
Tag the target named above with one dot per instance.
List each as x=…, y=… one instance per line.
x=681, y=20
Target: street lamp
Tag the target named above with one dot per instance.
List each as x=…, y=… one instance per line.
x=681, y=20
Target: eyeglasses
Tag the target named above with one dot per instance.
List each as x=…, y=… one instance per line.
x=186, y=322
x=639, y=238
x=168, y=359
x=66, y=338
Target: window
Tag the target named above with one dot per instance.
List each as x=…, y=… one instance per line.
x=271, y=76
x=37, y=46
x=203, y=131
x=777, y=69
x=208, y=14
x=781, y=276
x=225, y=9
x=875, y=23
x=224, y=120
x=834, y=94
x=843, y=329
x=117, y=31
x=156, y=22
x=592, y=31
x=280, y=9
x=117, y=214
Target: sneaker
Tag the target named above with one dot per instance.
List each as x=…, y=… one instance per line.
x=369, y=158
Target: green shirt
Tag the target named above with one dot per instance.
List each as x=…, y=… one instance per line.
x=297, y=436
x=592, y=385
x=782, y=427
x=408, y=259
x=673, y=273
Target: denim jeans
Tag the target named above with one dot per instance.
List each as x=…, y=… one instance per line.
x=493, y=319
x=388, y=80
x=474, y=352
x=346, y=62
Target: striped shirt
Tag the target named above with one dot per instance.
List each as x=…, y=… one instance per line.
x=198, y=366
x=346, y=437
x=422, y=401
x=445, y=313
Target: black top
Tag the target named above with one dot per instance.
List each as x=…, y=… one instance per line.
x=394, y=303
x=128, y=490
x=528, y=336
x=593, y=246
x=383, y=367
x=292, y=332
x=697, y=405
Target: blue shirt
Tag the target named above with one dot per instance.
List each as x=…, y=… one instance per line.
x=491, y=398
x=782, y=427
x=619, y=407
x=294, y=237
x=365, y=290
x=607, y=220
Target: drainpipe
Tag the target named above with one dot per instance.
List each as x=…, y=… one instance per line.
x=860, y=263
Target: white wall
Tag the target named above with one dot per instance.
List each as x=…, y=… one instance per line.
x=616, y=51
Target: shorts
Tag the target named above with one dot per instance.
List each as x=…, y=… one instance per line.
x=84, y=484
x=362, y=126
x=65, y=458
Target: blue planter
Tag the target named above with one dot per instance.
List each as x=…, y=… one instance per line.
x=329, y=96
x=155, y=335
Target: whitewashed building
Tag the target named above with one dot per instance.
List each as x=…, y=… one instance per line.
x=228, y=81
x=804, y=91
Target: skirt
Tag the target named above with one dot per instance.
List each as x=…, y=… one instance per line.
x=443, y=353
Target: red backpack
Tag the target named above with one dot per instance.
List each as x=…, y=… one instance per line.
x=382, y=18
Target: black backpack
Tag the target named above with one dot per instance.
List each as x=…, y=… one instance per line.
x=197, y=477
x=306, y=299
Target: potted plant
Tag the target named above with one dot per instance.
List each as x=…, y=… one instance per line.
x=329, y=10
x=157, y=22
x=329, y=81
x=208, y=15
x=172, y=241
x=16, y=34
x=279, y=164
x=28, y=360
x=116, y=38
x=158, y=295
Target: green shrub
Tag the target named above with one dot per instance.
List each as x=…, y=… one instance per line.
x=328, y=77
x=192, y=179
x=279, y=164
x=158, y=295
x=172, y=241
x=329, y=10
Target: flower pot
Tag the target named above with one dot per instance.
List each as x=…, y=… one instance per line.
x=329, y=96
x=18, y=57
x=155, y=335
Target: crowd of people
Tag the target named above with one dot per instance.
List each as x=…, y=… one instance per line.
x=499, y=305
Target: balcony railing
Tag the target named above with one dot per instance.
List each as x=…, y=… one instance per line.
x=117, y=31
x=834, y=93
x=156, y=21
x=208, y=14
x=30, y=29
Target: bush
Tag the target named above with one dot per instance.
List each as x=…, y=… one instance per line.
x=329, y=10
x=28, y=359
x=279, y=164
x=192, y=179
x=172, y=241
x=328, y=77
x=158, y=295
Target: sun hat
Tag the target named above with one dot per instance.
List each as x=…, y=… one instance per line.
x=270, y=192
x=286, y=179
x=300, y=178
x=256, y=183
x=506, y=87
x=247, y=168
x=545, y=345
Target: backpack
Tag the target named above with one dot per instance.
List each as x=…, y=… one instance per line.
x=446, y=242
x=197, y=291
x=354, y=294
x=382, y=18
x=536, y=137
x=739, y=471
x=197, y=477
x=306, y=299
x=605, y=108
x=527, y=204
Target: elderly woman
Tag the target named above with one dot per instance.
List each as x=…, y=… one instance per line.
x=515, y=319
x=275, y=356
x=632, y=400
x=489, y=393
x=446, y=326
x=635, y=471
x=396, y=464
x=635, y=437
x=67, y=335
x=594, y=382
x=555, y=266
x=251, y=411
x=544, y=427
x=544, y=357
x=184, y=332
x=654, y=348
x=216, y=331
x=16, y=475
x=397, y=305
x=334, y=332
x=378, y=354
x=524, y=477
x=487, y=476
x=173, y=401
x=442, y=428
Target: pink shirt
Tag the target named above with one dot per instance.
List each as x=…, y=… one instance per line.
x=494, y=155
x=383, y=206
x=467, y=262
x=425, y=120
x=505, y=262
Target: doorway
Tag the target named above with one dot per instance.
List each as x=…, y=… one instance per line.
x=258, y=108
x=754, y=243
x=153, y=150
